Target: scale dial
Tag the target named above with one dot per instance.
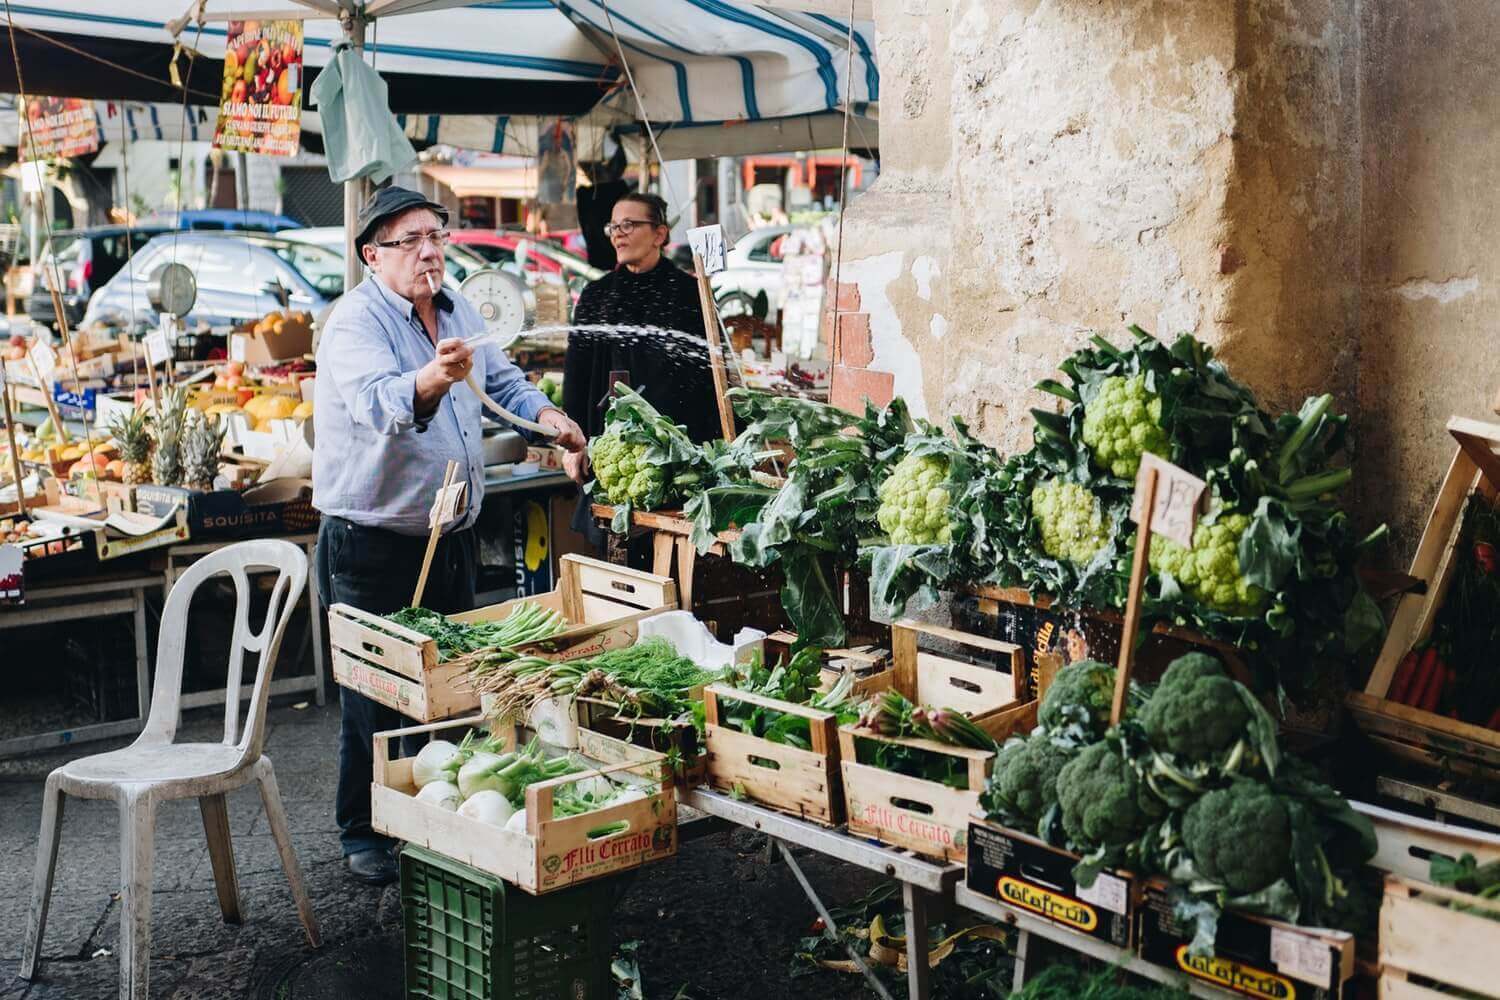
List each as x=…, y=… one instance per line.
x=504, y=301
x=173, y=290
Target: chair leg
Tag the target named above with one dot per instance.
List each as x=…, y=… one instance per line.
x=215, y=810
x=137, y=852
x=46, y=868
x=276, y=815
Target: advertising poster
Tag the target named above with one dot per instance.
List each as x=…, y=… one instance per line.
x=260, y=106
x=56, y=127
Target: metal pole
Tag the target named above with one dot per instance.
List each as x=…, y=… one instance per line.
x=242, y=180
x=354, y=190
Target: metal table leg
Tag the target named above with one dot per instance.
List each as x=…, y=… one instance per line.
x=918, y=973
x=1023, y=948
x=830, y=929
x=315, y=616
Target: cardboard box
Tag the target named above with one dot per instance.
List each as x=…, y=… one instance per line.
x=1252, y=955
x=269, y=347
x=279, y=507
x=1023, y=872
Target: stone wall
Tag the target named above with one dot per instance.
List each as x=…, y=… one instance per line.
x=1052, y=168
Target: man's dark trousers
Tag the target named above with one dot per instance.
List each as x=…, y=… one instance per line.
x=376, y=571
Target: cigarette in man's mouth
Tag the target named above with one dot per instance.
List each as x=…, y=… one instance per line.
x=431, y=283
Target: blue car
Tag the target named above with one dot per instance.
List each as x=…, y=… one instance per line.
x=241, y=276
x=220, y=219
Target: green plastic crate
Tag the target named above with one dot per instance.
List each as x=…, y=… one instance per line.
x=469, y=936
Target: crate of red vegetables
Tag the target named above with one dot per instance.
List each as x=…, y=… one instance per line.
x=915, y=764
x=1434, y=695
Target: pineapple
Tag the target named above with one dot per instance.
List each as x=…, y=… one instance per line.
x=168, y=429
x=130, y=433
x=200, y=451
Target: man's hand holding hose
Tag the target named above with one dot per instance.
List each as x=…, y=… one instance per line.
x=454, y=363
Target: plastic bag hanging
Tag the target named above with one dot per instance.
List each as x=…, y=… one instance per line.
x=360, y=135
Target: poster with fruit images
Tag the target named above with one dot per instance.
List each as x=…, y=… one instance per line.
x=57, y=127
x=260, y=106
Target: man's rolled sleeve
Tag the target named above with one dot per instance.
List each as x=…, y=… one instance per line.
x=368, y=376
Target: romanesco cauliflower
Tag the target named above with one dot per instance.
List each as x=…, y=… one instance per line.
x=1210, y=571
x=621, y=474
x=1071, y=520
x=914, y=502
x=1123, y=422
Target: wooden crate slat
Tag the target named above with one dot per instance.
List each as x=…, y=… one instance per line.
x=874, y=799
x=1393, y=987
x=803, y=783
x=362, y=642
x=948, y=683
x=1419, y=936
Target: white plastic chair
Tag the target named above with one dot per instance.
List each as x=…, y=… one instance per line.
x=154, y=769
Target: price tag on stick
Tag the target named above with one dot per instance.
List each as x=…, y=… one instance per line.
x=157, y=350
x=45, y=360
x=1167, y=502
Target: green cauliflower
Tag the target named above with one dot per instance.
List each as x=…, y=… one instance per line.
x=1081, y=693
x=914, y=502
x=1122, y=423
x=1210, y=571
x=1196, y=711
x=1023, y=784
x=1071, y=521
x=1104, y=802
x=1239, y=837
x=622, y=474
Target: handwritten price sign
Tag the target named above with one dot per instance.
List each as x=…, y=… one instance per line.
x=452, y=501
x=1176, y=503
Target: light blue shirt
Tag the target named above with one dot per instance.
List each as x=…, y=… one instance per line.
x=374, y=463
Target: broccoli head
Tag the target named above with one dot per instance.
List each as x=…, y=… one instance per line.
x=914, y=502
x=1240, y=836
x=1023, y=784
x=1196, y=710
x=1082, y=693
x=1210, y=571
x=1072, y=523
x=1104, y=802
x=1122, y=423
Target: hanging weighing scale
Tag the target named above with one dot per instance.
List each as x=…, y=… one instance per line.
x=508, y=307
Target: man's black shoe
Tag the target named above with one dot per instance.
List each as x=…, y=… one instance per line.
x=375, y=866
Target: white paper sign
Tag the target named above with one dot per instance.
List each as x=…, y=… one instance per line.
x=237, y=342
x=449, y=505
x=45, y=359
x=708, y=242
x=1178, y=499
x=1107, y=893
x=157, y=350
x=1302, y=956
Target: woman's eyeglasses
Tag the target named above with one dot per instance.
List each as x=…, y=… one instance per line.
x=626, y=226
x=439, y=238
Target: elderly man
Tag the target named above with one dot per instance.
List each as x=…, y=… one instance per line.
x=392, y=409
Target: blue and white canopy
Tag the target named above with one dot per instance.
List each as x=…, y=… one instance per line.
x=715, y=64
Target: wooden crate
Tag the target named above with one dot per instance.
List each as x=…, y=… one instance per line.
x=1405, y=844
x=925, y=816
x=677, y=738
x=553, y=852
x=1412, y=734
x=1429, y=950
x=805, y=783
x=399, y=667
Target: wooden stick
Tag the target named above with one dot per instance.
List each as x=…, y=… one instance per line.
x=715, y=349
x=15, y=452
x=1138, y=568
x=432, y=538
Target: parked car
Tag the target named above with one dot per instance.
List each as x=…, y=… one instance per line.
x=751, y=267
x=83, y=260
x=459, y=262
x=222, y=218
x=545, y=261
x=241, y=276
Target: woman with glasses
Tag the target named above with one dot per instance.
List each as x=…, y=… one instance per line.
x=645, y=290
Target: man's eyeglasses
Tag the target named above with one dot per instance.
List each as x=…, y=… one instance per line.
x=439, y=238
x=626, y=226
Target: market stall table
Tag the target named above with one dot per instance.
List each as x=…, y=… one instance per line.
x=919, y=877
x=95, y=598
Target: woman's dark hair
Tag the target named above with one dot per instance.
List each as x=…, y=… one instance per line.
x=655, y=205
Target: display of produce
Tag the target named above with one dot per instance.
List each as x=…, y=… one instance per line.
x=642, y=461
x=1192, y=785
x=796, y=681
x=528, y=622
